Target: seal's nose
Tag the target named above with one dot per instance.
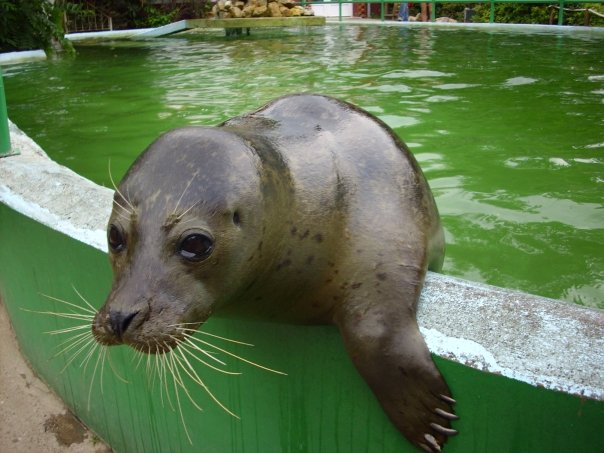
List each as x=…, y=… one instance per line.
x=120, y=321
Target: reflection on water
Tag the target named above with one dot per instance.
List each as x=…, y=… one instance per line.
x=506, y=125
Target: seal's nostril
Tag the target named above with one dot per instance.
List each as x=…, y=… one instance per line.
x=120, y=321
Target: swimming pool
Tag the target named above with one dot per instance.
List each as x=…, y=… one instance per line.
x=506, y=123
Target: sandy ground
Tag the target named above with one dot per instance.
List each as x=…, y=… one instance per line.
x=32, y=417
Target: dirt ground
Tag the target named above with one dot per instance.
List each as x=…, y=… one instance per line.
x=32, y=417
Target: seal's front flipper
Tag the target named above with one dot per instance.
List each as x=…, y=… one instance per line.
x=391, y=355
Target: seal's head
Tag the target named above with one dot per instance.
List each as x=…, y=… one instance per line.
x=179, y=236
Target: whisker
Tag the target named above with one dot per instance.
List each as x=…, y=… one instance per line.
x=174, y=381
x=78, y=307
x=92, y=309
x=184, y=348
x=73, y=343
x=184, y=329
x=238, y=357
x=184, y=213
x=187, y=341
x=164, y=367
x=88, y=343
x=117, y=375
x=77, y=316
x=70, y=330
x=103, y=352
x=193, y=375
x=96, y=365
x=86, y=359
x=118, y=191
x=182, y=195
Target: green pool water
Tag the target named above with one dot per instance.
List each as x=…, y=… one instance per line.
x=508, y=125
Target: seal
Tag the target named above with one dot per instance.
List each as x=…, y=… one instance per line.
x=308, y=210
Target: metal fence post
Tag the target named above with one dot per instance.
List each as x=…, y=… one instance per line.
x=5, y=148
x=561, y=13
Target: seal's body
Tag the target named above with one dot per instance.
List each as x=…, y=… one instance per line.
x=308, y=210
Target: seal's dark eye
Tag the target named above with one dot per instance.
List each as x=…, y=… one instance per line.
x=115, y=238
x=196, y=247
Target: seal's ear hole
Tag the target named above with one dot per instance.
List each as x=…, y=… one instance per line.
x=116, y=239
x=237, y=218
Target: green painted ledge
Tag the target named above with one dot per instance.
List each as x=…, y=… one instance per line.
x=322, y=405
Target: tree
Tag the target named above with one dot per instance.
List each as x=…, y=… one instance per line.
x=33, y=24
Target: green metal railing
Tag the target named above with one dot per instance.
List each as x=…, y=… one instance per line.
x=5, y=148
x=560, y=4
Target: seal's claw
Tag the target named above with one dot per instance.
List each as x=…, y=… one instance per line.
x=447, y=399
x=443, y=430
x=432, y=441
x=425, y=447
x=445, y=414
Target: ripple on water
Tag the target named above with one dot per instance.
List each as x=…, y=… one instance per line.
x=518, y=81
x=415, y=74
x=456, y=86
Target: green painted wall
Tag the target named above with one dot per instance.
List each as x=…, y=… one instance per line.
x=322, y=405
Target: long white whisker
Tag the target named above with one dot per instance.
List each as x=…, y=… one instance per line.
x=184, y=329
x=78, y=307
x=174, y=381
x=73, y=343
x=89, y=343
x=238, y=357
x=184, y=213
x=193, y=375
x=186, y=346
x=182, y=195
x=120, y=193
x=92, y=309
x=96, y=365
x=117, y=375
x=87, y=357
x=187, y=341
x=70, y=330
x=77, y=316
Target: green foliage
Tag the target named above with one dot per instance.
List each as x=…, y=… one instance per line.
x=32, y=24
x=152, y=16
x=537, y=13
x=25, y=25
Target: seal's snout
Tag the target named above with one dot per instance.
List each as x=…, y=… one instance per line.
x=120, y=321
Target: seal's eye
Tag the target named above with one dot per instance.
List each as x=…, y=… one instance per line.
x=196, y=247
x=116, y=240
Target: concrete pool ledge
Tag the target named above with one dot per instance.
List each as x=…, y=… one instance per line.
x=543, y=342
x=22, y=57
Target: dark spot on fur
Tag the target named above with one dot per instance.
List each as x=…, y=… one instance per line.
x=382, y=276
x=330, y=264
x=356, y=285
x=318, y=237
x=289, y=252
x=359, y=251
x=318, y=128
x=283, y=264
x=304, y=235
x=260, y=246
x=258, y=298
x=310, y=259
x=251, y=258
x=329, y=280
x=293, y=231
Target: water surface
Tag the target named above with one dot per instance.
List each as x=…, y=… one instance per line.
x=507, y=125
